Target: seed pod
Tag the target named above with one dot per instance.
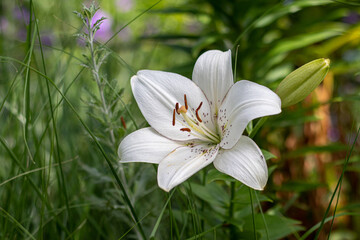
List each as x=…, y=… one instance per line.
x=301, y=82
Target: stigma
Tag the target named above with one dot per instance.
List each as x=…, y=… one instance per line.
x=191, y=121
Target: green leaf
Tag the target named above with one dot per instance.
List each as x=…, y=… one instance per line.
x=334, y=147
x=242, y=197
x=214, y=175
x=268, y=155
x=300, y=186
x=211, y=193
x=280, y=226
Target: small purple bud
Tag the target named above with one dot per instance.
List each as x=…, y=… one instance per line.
x=124, y=5
x=104, y=32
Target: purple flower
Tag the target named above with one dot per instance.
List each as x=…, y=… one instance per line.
x=4, y=24
x=124, y=5
x=47, y=39
x=22, y=14
x=104, y=32
x=352, y=18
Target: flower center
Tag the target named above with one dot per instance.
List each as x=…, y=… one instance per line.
x=192, y=123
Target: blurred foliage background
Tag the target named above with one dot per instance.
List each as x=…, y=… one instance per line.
x=59, y=174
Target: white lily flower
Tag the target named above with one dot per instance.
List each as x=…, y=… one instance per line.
x=196, y=123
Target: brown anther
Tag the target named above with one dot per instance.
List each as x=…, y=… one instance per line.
x=199, y=107
x=177, y=108
x=185, y=129
x=123, y=122
x=197, y=112
x=173, y=122
x=197, y=116
x=182, y=109
x=186, y=105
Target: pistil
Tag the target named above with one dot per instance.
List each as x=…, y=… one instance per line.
x=195, y=123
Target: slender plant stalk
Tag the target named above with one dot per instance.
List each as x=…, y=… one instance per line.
x=262, y=215
x=58, y=157
x=93, y=137
x=338, y=186
x=101, y=83
x=253, y=213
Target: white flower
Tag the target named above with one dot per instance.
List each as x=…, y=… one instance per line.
x=195, y=123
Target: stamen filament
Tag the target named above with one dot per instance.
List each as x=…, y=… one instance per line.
x=200, y=129
x=208, y=131
x=193, y=123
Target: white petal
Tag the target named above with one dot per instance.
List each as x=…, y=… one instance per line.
x=244, y=102
x=157, y=92
x=244, y=162
x=213, y=74
x=146, y=145
x=183, y=163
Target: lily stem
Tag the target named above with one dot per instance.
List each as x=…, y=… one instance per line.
x=253, y=213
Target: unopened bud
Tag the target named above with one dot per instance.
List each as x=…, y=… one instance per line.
x=301, y=82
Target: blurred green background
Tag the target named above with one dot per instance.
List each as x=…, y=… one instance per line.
x=56, y=184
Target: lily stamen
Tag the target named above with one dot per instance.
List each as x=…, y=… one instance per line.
x=198, y=108
x=185, y=101
x=198, y=117
x=173, y=121
x=197, y=112
x=185, y=129
x=177, y=108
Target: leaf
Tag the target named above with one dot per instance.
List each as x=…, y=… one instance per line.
x=211, y=193
x=214, y=175
x=280, y=226
x=242, y=197
x=300, y=41
x=268, y=155
x=334, y=147
x=300, y=186
x=288, y=9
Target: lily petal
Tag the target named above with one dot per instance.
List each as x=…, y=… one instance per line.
x=244, y=162
x=213, y=74
x=244, y=102
x=157, y=92
x=146, y=145
x=183, y=163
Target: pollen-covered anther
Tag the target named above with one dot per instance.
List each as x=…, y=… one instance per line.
x=197, y=112
x=185, y=101
x=185, y=129
x=177, y=108
x=173, y=121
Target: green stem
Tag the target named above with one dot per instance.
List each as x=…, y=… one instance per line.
x=253, y=213
x=97, y=143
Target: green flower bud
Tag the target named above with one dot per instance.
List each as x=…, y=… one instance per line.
x=301, y=82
